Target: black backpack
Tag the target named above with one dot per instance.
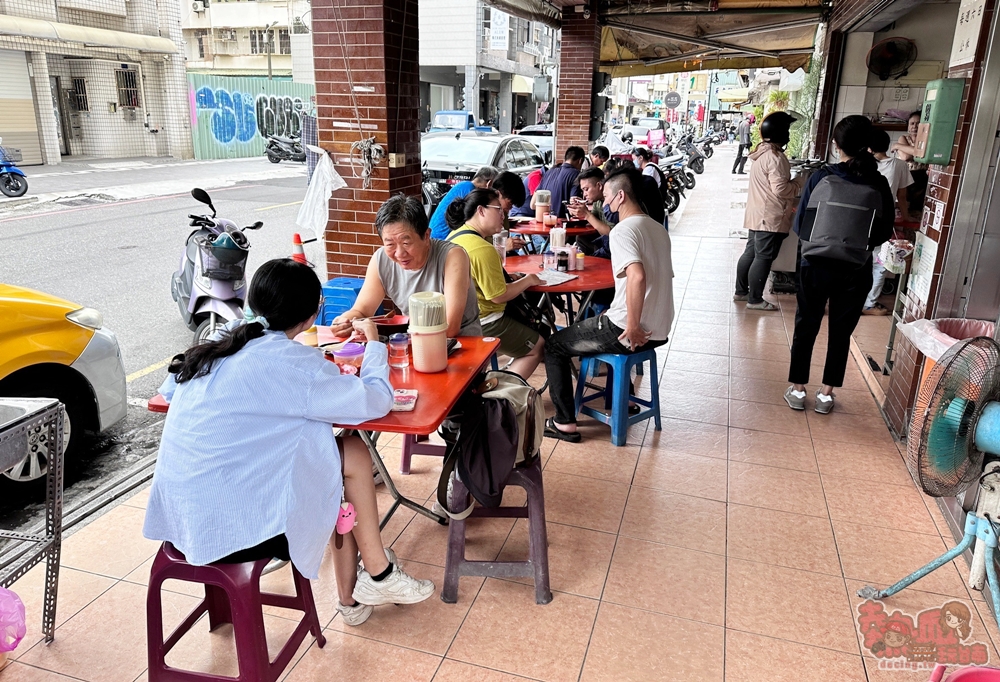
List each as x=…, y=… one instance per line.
x=484, y=439
x=839, y=219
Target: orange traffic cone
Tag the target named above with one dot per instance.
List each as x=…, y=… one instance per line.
x=298, y=253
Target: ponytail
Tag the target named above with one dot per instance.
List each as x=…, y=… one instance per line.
x=198, y=360
x=461, y=211
x=283, y=294
x=853, y=135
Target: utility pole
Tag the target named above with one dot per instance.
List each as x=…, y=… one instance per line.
x=270, y=42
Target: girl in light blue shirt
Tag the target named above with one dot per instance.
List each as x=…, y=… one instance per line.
x=249, y=467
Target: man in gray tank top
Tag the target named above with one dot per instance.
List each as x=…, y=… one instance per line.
x=411, y=261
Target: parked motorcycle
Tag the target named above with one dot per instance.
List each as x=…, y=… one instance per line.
x=284, y=149
x=210, y=283
x=706, y=143
x=13, y=182
x=696, y=160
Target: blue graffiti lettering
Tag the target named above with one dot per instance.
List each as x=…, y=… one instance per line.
x=233, y=115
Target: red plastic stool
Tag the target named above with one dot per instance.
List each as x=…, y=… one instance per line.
x=232, y=595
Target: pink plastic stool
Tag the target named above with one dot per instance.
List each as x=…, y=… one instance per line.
x=412, y=445
x=971, y=674
x=232, y=595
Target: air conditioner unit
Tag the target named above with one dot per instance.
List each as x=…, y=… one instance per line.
x=198, y=6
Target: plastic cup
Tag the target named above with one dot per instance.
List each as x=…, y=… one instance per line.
x=399, y=351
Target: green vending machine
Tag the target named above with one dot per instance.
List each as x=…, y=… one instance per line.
x=939, y=120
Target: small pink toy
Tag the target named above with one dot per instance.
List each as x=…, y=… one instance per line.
x=347, y=519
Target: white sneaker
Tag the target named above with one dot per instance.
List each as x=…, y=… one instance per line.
x=398, y=588
x=390, y=556
x=355, y=615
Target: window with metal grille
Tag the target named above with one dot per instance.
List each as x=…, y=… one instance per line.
x=256, y=41
x=79, y=93
x=203, y=45
x=128, y=88
x=284, y=42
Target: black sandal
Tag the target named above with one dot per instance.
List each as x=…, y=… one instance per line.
x=551, y=431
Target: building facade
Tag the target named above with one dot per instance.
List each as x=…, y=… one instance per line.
x=479, y=59
x=96, y=78
x=238, y=38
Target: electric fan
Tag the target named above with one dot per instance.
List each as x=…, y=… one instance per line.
x=891, y=58
x=955, y=426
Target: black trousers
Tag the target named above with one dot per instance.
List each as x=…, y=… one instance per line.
x=846, y=291
x=754, y=265
x=587, y=337
x=741, y=160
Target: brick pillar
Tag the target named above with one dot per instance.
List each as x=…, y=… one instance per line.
x=581, y=46
x=372, y=45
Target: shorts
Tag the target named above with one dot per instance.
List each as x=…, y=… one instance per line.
x=274, y=548
x=516, y=339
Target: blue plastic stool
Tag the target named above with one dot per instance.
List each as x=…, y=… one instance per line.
x=615, y=392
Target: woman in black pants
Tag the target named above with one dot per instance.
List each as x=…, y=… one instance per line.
x=845, y=212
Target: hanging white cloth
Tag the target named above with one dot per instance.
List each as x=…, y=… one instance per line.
x=315, y=210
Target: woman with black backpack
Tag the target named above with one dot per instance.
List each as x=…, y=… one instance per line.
x=845, y=212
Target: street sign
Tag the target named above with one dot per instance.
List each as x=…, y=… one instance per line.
x=672, y=100
x=499, y=30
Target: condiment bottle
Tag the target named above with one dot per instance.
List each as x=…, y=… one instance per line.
x=579, y=260
x=562, y=261
x=549, y=260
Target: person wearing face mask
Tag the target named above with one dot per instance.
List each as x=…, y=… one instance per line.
x=473, y=223
x=845, y=212
x=410, y=261
x=768, y=217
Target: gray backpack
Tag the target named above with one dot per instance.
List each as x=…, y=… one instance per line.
x=838, y=220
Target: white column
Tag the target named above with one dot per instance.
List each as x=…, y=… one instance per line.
x=176, y=113
x=49, y=131
x=471, y=91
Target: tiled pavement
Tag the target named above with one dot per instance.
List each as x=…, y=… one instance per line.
x=728, y=546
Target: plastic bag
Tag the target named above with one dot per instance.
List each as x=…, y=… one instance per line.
x=12, y=621
x=893, y=254
x=314, y=212
x=934, y=337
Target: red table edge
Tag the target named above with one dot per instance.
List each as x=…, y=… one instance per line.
x=378, y=425
x=565, y=287
x=159, y=404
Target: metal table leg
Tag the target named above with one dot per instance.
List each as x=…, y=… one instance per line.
x=398, y=498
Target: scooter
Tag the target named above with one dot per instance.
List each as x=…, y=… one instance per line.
x=284, y=149
x=209, y=286
x=696, y=160
x=13, y=182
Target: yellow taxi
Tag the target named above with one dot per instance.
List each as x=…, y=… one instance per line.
x=52, y=348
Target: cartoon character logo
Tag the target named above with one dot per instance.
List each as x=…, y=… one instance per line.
x=936, y=635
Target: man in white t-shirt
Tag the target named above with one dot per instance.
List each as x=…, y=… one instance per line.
x=898, y=175
x=640, y=314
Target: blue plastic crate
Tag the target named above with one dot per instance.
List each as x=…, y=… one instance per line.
x=339, y=296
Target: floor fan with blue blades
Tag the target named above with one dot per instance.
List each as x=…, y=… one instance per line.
x=954, y=442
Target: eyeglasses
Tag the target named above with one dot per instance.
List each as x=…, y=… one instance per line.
x=499, y=208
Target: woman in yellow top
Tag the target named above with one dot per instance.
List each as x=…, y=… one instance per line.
x=474, y=221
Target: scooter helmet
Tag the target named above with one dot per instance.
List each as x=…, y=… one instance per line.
x=227, y=250
x=774, y=128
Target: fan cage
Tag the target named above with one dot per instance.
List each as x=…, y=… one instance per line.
x=963, y=380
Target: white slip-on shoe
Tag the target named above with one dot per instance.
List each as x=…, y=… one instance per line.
x=397, y=588
x=355, y=615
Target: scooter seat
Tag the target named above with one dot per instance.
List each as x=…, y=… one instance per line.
x=286, y=140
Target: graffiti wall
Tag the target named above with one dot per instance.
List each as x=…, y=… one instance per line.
x=232, y=116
